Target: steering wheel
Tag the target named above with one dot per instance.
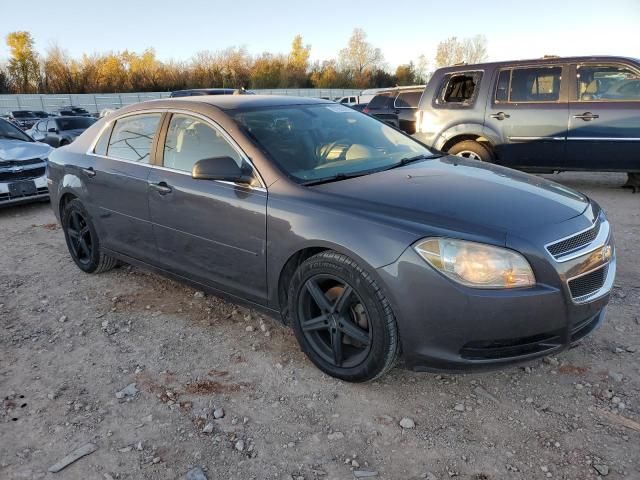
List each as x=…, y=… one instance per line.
x=325, y=150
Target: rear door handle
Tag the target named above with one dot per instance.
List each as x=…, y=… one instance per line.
x=500, y=115
x=89, y=172
x=162, y=188
x=587, y=116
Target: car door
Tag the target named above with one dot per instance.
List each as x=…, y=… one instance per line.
x=528, y=111
x=604, y=117
x=406, y=105
x=39, y=131
x=116, y=183
x=51, y=135
x=212, y=232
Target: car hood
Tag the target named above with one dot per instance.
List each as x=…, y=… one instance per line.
x=457, y=193
x=20, y=150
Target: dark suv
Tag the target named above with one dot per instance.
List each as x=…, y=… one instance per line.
x=397, y=107
x=549, y=114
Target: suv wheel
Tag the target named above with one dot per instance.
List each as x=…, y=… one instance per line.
x=472, y=149
x=341, y=318
x=82, y=239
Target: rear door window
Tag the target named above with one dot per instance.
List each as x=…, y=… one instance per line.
x=133, y=136
x=607, y=83
x=530, y=85
x=408, y=99
x=459, y=89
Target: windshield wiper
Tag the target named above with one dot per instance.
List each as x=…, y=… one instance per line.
x=333, y=178
x=416, y=158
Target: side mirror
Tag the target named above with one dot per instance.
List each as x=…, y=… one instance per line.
x=220, y=168
x=53, y=130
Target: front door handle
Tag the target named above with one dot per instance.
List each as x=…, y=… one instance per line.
x=89, y=172
x=162, y=188
x=500, y=115
x=587, y=116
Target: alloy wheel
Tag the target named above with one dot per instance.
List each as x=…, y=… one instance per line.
x=468, y=154
x=334, y=320
x=80, y=239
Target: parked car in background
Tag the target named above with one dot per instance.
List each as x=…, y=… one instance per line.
x=60, y=131
x=367, y=95
x=397, y=107
x=24, y=119
x=543, y=115
x=71, y=111
x=23, y=165
x=349, y=100
x=362, y=238
x=196, y=92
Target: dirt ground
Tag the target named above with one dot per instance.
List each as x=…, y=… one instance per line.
x=70, y=341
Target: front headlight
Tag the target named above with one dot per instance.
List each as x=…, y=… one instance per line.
x=475, y=264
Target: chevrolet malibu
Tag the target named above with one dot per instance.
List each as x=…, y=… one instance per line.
x=368, y=244
x=23, y=165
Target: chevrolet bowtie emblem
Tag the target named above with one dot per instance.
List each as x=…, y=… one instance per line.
x=606, y=252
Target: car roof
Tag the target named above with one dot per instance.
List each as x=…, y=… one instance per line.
x=549, y=59
x=400, y=89
x=233, y=102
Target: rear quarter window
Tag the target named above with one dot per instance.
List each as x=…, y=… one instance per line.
x=458, y=90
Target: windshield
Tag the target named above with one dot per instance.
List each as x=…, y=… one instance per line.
x=75, y=123
x=316, y=142
x=9, y=131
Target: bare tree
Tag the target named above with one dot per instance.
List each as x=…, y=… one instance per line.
x=468, y=50
x=360, y=57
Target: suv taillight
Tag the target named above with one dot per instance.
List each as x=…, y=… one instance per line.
x=365, y=110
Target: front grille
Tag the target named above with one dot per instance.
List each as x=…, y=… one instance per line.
x=588, y=284
x=27, y=174
x=20, y=163
x=571, y=244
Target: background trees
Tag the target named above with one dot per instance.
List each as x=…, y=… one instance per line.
x=359, y=65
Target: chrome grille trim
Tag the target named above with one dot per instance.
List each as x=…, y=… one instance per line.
x=609, y=277
x=594, y=242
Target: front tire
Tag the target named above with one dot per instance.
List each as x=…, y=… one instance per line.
x=473, y=150
x=82, y=239
x=341, y=318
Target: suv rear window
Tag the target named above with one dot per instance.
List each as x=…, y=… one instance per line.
x=408, y=99
x=382, y=100
x=529, y=84
x=459, y=89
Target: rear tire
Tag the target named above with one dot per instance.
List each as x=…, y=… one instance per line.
x=473, y=150
x=82, y=239
x=341, y=318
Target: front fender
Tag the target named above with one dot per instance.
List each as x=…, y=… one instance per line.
x=293, y=226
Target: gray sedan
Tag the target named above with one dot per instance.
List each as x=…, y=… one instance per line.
x=60, y=131
x=367, y=243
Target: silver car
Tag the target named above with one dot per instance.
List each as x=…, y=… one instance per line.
x=23, y=165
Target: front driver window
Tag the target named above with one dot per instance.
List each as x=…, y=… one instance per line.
x=190, y=139
x=607, y=83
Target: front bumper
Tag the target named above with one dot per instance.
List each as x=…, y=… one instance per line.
x=41, y=193
x=445, y=326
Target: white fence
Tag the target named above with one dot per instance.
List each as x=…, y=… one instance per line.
x=94, y=103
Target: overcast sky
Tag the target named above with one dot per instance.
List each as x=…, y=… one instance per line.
x=402, y=30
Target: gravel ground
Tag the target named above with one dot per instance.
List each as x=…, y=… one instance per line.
x=72, y=346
